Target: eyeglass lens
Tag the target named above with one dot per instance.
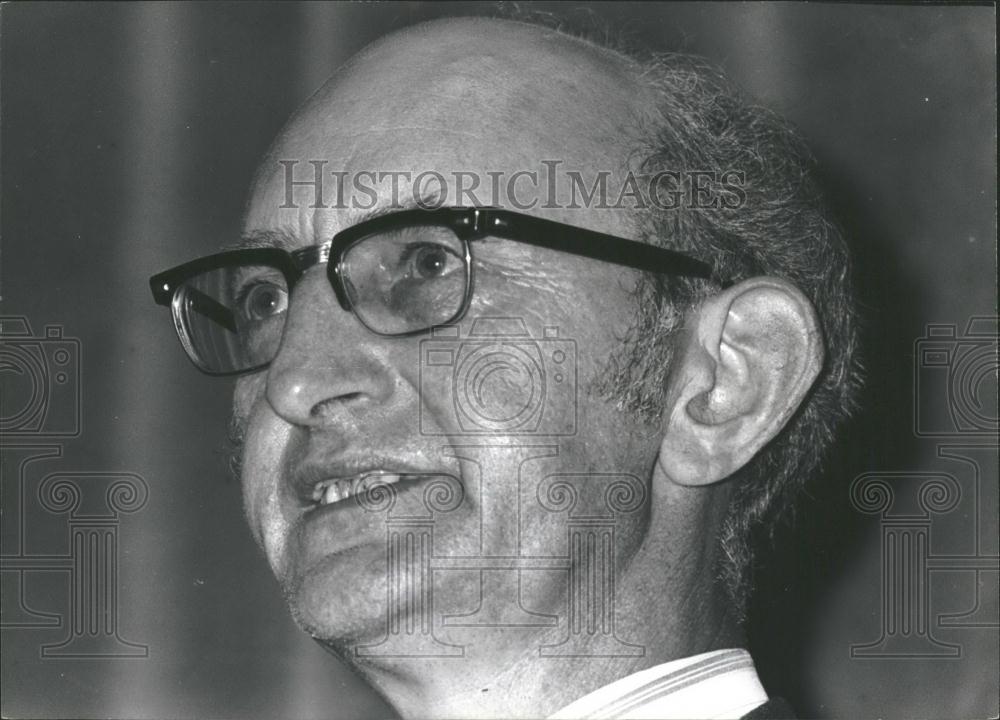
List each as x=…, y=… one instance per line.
x=399, y=281
x=233, y=317
x=407, y=279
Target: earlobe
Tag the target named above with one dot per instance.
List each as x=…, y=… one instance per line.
x=752, y=355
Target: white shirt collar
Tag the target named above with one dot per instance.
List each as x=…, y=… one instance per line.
x=721, y=684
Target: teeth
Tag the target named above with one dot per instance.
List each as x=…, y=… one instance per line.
x=365, y=482
x=327, y=492
x=335, y=492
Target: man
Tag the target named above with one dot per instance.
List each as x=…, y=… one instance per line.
x=505, y=467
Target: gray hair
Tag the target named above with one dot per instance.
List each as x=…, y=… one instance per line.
x=781, y=228
x=703, y=124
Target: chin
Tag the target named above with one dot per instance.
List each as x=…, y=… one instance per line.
x=340, y=601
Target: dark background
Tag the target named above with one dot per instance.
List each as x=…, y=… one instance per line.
x=130, y=133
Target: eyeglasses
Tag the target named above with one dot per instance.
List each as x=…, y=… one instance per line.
x=400, y=274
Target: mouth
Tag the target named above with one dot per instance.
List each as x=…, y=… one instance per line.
x=320, y=483
x=330, y=491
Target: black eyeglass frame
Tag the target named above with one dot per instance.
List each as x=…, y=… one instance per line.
x=468, y=224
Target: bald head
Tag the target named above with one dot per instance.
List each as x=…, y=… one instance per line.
x=343, y=400
x=482, y=95
x=498, y=76
x=484, y=78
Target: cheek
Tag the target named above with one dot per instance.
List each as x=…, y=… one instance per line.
x=265, y=438
x=247, y=391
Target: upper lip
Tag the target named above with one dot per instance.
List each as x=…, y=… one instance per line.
x=309, y=472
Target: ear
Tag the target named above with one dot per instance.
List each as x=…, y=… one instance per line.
x=749, y=357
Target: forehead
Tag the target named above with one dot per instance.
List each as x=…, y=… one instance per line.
x=477, y=96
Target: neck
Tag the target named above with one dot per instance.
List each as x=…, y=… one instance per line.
x=667, y=605
x=659, y=617
x=528, y=684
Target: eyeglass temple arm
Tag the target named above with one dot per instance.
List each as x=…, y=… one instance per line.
x=598, y=246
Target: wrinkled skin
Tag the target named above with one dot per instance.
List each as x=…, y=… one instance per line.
x=491, y=96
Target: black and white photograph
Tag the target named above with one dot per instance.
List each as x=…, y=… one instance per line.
x=499, y=360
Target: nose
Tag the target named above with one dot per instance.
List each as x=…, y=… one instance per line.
x=329, y=366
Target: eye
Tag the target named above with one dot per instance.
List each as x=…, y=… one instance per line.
x=430, y=260
x=262, y=300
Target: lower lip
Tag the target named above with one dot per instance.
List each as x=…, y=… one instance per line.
x=356, y=520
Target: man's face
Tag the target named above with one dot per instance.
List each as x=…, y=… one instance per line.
x=339, y=401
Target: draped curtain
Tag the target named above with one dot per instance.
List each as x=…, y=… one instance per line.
x=130, y=133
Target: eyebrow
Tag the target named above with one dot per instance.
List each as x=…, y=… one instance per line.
x=426, y=200
x=286, y=240
x=281, y=239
